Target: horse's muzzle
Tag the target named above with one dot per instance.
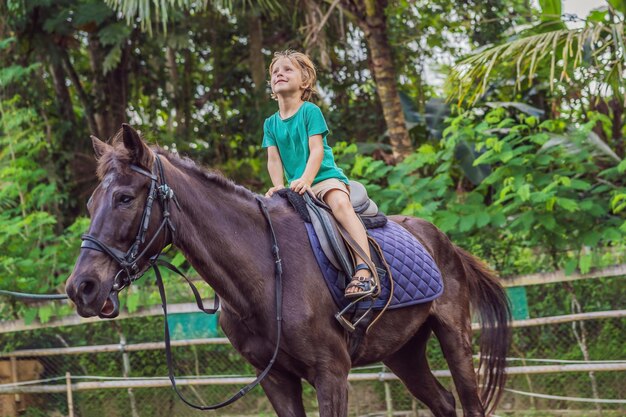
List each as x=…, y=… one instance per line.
x=91, y=298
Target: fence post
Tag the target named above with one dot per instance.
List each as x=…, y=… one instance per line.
x=388, y=401
x=70, y=399
x=581, y=339
x=126, y=373
x=14, y=377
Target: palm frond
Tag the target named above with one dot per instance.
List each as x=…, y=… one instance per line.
x=599, y=46
x=145, y=11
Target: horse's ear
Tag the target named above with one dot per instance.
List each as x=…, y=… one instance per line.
x=99, y=147
x=139, y=151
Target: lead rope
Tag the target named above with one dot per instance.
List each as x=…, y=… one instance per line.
x=278, y=272
x=31, y=296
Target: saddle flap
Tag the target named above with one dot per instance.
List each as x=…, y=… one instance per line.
x=329, y=237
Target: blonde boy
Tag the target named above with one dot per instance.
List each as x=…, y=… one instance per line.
x=295, y=138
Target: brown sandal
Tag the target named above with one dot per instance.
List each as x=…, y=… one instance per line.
x=366, y=285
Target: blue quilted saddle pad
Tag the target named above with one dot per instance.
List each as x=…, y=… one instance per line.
x=416, y=276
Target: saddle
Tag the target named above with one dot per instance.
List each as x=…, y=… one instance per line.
x=416, y=277
x=337, y=244
x=332, y=241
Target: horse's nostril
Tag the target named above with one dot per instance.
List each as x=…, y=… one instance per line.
x=88, y=290
x=86, y=287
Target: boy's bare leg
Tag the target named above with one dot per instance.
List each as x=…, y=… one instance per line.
x=340, y=204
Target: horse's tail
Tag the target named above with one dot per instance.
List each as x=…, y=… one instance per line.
x=490, y=301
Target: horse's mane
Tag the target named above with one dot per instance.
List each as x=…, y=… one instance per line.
x=214, y=177
x=118, y=158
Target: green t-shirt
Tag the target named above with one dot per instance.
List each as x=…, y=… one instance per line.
x=291, y=136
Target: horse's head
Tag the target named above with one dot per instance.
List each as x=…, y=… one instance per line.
x=123, y=234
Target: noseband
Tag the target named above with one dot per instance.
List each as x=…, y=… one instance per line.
x=129, y=261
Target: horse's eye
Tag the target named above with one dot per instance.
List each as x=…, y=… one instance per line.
x=125, y=199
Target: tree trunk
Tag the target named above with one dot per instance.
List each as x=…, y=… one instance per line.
x=117, y=92
x=256, y=57
x=370, y=16
x=109, y=90
x=82, y=95
x=72, y=167
x=172, y=87
x=186, y=94
x=95, y=59
x=64, y=101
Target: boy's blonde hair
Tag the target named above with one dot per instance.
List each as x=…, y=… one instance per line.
x=306, y=66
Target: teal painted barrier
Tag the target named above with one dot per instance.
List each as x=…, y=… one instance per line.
x=519, y=302
x=192, y=325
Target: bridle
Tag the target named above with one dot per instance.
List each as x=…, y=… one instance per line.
x=129, y=263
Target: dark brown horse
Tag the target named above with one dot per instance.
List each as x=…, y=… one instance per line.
x=223, y=234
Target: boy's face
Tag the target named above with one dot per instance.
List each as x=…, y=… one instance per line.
x=286, y=78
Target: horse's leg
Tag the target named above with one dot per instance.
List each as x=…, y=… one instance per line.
x=285, y=393
x=331, y=385
x=450, y=314
x=411, y=366
x=453, y=329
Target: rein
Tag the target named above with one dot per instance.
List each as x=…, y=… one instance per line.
x=278, y=295
x=128, y=261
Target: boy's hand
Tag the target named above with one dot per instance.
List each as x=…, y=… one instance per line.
x=272, y=190
x=300, y=185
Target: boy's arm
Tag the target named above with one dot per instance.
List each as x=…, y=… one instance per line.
x=316, y=154
x=275, y=169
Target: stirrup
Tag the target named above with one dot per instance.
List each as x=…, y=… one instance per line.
x=345, y=323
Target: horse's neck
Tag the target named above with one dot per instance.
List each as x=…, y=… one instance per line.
x=223, y=234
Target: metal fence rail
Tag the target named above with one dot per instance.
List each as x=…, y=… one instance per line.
x=134, y=375
x=565, y=364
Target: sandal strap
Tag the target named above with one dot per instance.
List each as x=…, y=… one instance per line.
x=363, y=283
x=362, y=279
x=362, y=267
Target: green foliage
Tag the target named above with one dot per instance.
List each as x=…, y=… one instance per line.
x=553, y=189
x=619, y=5
x=36, y=252
x=14, y=72
x=551, y=10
